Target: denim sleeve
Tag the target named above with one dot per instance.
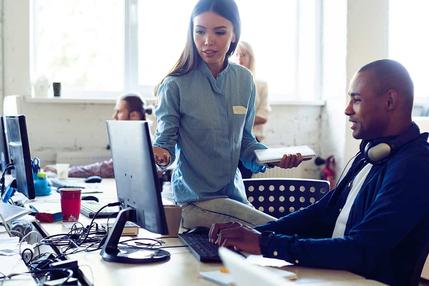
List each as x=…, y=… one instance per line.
x=249, y=143
x=168, y=117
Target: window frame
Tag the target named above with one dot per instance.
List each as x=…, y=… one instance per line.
x=131, y=55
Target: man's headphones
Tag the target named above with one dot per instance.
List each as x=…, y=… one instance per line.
x=378, y=151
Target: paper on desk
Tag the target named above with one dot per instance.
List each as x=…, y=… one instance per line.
x=226, y=279
x=9, y=245
x=265, y=261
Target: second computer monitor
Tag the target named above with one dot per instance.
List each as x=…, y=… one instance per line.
x=135, y=173
x=4, y=153
x=19, y=154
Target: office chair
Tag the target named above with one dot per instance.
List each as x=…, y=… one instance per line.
x=279, y=197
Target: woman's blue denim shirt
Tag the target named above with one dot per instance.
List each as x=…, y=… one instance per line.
x=206, y=122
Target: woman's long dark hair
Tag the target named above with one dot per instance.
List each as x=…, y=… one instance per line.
x=190, y=58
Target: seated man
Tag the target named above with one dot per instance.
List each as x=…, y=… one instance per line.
x=376, y=222
x=128, y=107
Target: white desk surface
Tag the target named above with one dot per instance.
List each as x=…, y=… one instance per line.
x=182, y=268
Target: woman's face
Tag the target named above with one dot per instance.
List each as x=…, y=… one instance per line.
x=242, y=57
x=213, y=35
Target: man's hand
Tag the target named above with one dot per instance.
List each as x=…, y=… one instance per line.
x=161, y=156
x=50, y=168
x=290, y=161
x=235, y=235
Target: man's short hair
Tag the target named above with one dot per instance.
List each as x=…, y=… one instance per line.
x=134, y=103
x=391, y=74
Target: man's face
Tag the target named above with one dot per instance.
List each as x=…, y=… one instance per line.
x=367, y=107
x=121, y=111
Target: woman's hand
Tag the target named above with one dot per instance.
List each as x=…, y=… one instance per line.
x=290, y=161
x=161, y=155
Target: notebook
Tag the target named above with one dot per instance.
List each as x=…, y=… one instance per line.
x=273, y=155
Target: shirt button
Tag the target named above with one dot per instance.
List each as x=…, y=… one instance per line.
x=340, y=209
x=275, y=253
x=296, y=261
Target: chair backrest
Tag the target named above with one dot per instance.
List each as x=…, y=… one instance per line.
x=279, y=197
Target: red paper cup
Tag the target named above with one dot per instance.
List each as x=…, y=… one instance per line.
x=70, y=204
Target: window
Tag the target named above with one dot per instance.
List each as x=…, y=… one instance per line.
x=408, y=23
x=79, y=43
x=106, y=47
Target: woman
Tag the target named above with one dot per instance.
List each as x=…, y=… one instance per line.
x=246, y=57
x=205, y=117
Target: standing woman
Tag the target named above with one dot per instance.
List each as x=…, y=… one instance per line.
x=246, y=57
x=205, y=117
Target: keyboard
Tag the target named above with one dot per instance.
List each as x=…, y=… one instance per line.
x=10, y=212
x=58, y=183
x=74, y=183
x=200, y=246
x=89, y=208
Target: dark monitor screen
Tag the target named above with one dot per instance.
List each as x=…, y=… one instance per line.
x=19, y=154
x=136, y=176
x=4, y=153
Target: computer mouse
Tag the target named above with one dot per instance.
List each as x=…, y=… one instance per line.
x=93, y=179
x=199, y=230
x=89, y=198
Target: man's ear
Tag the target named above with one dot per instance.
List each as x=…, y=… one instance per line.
x=135, y=115
x=392, y=99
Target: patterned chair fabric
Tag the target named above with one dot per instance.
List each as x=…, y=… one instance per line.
x=279, y=197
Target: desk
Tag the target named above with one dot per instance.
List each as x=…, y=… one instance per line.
x=182, y=268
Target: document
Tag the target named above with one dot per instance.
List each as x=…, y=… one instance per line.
x=274, y=155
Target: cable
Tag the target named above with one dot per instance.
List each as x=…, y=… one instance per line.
x=45, y=278
x=9, y=167
x=96, y=214
x=152, y=243
x=342, y=172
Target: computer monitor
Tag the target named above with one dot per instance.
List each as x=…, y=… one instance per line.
x=19, y=154
x=4, y=153
x=138, y=189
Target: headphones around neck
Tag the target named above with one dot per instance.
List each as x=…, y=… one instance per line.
x=378, y=151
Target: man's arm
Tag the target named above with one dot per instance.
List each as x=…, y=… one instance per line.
x=398, y=208
x=103, y=169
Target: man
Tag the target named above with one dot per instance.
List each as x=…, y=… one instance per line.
x=128, y=107
x=376, y=222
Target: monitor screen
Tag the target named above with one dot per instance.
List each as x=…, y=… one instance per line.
x=19, y=154
x=4, y=153
x=136, y=176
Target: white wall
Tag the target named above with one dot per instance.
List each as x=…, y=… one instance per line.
x=334, y=82
x=1, y=53
x=79, y=127
x=367, y=40
x=64, y=128
x=16, y=41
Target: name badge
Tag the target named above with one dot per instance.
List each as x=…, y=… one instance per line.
x=238, y=109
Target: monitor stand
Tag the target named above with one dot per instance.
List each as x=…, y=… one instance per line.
x=112, y=252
